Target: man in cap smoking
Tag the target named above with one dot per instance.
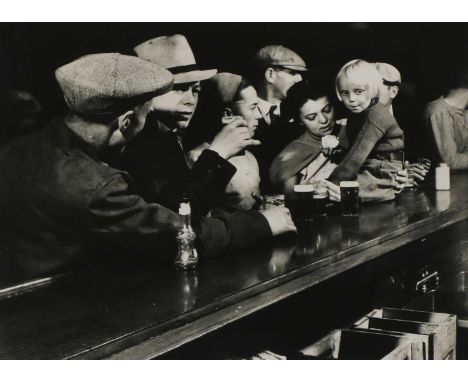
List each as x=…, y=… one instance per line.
x=157, y=159
x=62, y=205
x=276, y=69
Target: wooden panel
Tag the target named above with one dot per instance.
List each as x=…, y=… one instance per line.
x=366, y=345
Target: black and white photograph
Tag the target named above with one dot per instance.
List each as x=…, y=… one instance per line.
x=242, y=190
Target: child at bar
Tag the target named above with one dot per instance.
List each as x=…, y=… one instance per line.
x=373, y=133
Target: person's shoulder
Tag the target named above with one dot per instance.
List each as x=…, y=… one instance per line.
x=87, y=177
x=437, y=106
x=381, y=116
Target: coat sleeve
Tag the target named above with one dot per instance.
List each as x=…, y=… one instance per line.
x=124, y=221
x=365, y=142
x=209, y=178
x=443, y=129
x=224, y=232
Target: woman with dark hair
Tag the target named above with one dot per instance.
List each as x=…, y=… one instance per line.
x=315, y=154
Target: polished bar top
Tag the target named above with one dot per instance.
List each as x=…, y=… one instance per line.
x=144, y=309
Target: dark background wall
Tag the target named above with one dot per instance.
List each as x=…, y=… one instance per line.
x=424, y=52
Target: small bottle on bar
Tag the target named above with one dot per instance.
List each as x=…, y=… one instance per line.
x=187, y=256
x=442, y=177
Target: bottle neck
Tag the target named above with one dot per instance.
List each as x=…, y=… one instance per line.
x=187, y=221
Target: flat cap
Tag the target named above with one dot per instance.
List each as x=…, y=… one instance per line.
x=226, y=85
x=279, y=55
x=109, y=83
x=390, y=74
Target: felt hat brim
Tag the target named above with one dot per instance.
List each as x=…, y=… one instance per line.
x=194, y=76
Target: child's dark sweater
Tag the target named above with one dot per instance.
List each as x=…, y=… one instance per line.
x=374, y=133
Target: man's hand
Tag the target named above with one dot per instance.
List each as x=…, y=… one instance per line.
x=279, y=220
x=401, y=178
x=233, y=138
x=334, y=192
x=419, y=172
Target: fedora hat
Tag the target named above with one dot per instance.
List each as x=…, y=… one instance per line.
x=174, y=54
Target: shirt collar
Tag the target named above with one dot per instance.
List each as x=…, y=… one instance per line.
x=265, y=106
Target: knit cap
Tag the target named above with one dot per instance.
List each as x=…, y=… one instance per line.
x=226, y=85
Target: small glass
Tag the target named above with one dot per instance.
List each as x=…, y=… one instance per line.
x=399, y=156
x=410, y=177
x=226, y=120
x=320, y=198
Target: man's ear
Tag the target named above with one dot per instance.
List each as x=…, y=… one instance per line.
x=394, y=91
x=124, y=121
x=270, y=75
x=227, y=112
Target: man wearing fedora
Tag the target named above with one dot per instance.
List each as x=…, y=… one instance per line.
x=63, y=206
x=275, y=69
x=156, y=158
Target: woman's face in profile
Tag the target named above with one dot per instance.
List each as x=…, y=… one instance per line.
x=318, y=117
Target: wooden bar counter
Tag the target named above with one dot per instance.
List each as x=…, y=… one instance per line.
x=145, y=310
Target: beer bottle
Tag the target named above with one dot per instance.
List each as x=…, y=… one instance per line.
x=187, y=256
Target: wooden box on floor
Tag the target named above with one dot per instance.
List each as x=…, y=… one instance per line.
x=440, y=328
x=366, y=345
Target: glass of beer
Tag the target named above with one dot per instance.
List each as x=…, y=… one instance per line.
x=303, y=202
x=320, y=198
x=410, y=180
x=350, y=203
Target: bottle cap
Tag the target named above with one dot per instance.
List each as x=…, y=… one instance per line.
x=184, y=209
x=443, y=164
x=349, y=183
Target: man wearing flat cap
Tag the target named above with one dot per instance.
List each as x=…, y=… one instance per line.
x=276, y=69
x=157, y=160
x=63, y=206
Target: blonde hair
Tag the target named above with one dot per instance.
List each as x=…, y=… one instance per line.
x=360, y=72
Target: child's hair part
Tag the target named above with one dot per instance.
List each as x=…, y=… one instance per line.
x=360, y=72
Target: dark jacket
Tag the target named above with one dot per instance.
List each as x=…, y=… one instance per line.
x=156, y=161
x=274, y=138
x=159, y=167
x=62, y=208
